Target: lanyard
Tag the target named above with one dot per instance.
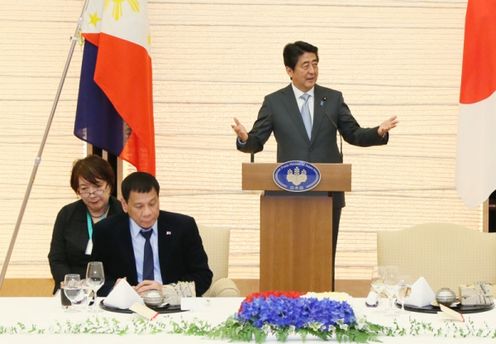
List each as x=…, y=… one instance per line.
x=89, y=222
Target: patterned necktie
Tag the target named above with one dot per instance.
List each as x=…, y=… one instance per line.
x=148, y=256
x=305, y=115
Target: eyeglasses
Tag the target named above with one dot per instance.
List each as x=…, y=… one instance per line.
x=88, y=191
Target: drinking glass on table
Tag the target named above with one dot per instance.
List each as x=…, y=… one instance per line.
x=377, y=281
x=404, y=288
x=72, y=288
x=391, y=286
x=95, y=277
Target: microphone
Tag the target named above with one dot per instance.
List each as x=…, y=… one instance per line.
x=322, y=102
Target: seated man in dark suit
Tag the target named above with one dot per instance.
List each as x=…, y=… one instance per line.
x=147, y=246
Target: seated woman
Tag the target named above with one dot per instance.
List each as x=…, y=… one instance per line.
x=92, y=179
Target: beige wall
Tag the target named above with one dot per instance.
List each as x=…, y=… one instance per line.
x=216, y=59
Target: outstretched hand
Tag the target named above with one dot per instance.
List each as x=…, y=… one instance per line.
x=240, y=130
x=387, y=125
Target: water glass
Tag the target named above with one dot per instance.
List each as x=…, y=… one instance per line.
x=377, y=282
x=404, y=288
x=391, y=286
x=87, y=292
x=63, y=299
x=72, y=288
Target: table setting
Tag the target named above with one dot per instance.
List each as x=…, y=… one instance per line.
x=175, y=313
x=402, y=292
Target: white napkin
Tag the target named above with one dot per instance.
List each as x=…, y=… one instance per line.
x=421, y=294
x=372, y=299
x=123, y=296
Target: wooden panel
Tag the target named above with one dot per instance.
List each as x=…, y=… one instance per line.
x=27, y=287
x=295, y=243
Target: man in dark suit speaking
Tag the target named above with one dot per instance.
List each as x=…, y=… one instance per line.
x=147, y=246
x=305, y=118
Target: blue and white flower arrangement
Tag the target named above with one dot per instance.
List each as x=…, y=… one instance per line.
x=283, y=314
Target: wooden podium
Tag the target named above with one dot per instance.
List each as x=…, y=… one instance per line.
x=296, y=228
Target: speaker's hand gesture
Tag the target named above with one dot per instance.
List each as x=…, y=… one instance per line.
x=240, y=130
x=387, y=125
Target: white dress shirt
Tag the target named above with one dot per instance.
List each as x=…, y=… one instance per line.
x=311, y=101
x=138, y=247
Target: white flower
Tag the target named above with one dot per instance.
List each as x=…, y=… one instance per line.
x=336, y=296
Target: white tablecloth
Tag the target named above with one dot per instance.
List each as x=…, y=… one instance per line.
x=47, y=312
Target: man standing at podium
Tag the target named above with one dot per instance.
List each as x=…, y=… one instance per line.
x=305, y=118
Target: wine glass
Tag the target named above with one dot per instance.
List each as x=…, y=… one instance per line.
x=377, y=281
x=95, y=277
x=87, y=292
x=391, y=286
x=404, y=289
x=72, y=288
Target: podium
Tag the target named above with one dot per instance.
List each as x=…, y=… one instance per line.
x=296, y=228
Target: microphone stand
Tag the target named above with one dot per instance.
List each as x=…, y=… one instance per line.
x=322, y=102
x=37, y=160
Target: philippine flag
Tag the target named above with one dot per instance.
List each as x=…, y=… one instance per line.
x=476, y=146
x=115, y=103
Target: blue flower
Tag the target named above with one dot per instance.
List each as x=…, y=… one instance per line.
x=285, y=312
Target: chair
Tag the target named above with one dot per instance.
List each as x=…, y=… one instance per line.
x=216, y=244
x=447, y=255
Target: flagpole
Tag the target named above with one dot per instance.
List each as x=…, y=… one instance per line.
x=37, y=160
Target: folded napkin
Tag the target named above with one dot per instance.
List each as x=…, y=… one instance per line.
x=123, y=296
x=476, y=294
x=421, y=294
x=175, y=291
x=372, y=299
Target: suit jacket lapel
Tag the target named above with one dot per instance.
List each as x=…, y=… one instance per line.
x=164, y=241
x=129, y=251
x=293, y=111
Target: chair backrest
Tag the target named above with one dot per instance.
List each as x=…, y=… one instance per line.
x=216, y=244
x=447, y=255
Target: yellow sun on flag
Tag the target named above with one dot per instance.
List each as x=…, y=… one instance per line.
x=94, y=19
x=117, y=7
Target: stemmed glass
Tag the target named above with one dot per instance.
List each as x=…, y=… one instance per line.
x=72, y=288
x=391, y=285
x=95, y=277
x=404, y=288
x=377, y=281
x=87, y=292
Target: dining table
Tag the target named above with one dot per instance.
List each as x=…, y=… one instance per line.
x=40, y=320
